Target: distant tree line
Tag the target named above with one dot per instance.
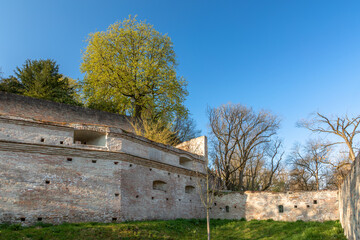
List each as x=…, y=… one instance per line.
x=246, y=153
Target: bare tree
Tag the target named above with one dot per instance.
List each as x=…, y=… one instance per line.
x=236, y=133
x=310, y=162
x=344, y=127
x=185, y=129
x=207, y=193
x=261, y=170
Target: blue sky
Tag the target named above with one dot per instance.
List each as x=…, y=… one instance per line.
x=290, y=57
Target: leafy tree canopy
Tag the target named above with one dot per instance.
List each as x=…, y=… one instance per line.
x=131, y=69
x=41, y=79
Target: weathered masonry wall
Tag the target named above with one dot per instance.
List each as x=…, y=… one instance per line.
x=74, y=172
x=349, y=195
x=48, y=111
x=54, y=184
x=290, y=206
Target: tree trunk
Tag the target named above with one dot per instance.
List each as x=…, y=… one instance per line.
x=208, y=222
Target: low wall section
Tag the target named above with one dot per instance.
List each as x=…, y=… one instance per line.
x=290, y=206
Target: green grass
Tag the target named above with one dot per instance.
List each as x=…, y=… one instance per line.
x=178, y=229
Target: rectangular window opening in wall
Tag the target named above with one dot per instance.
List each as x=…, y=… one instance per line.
x=61, y=142
x=42, y=139
x=189, y=189
x=186, y=162
x=22, y=219
x=47, y=181
x=227, y=208
x=39, y=219
x=315, y=201
x=93, y=161
x=117, y=194
x=69, y=159
x=159, y=185
x=114, y=219
x=90, y=138
x=281, y=208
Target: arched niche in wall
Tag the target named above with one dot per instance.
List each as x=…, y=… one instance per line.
x=186, y=162
x=189, y=189
x=159, y=185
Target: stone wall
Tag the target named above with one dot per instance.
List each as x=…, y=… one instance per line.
x=306, y=206
x=349, y=195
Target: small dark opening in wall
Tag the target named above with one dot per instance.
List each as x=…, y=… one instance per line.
x=190, y=200
x=227, y=208
x=150, y=169
x=315, y=201
x=93, y=161
x=168, y=173
x=179, y=199
x=214, y=204
x=39, y=219
x=47, y=181
x=61, y=142
x=22, y=219
x=152, y=198
x=137, y=196
x=295, y=206
x=42, y=140
x=308, y=206
x=116, y=163
x=234, y=206
x=190, y=178
x=69, y=159
x=130, y=165
x=281, y=208
x=167, y=199
x=116, y=194
x=178, y=175
x=114, y=219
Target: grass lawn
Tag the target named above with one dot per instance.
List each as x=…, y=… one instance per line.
x=178, y=229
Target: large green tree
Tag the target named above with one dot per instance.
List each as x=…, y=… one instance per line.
x=131, y=69
x=41, y=79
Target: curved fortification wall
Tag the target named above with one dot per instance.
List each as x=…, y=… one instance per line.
x=349, y=204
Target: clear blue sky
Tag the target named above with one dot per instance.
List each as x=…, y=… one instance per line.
x=290, y=57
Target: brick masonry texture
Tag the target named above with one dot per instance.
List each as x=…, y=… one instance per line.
x=38, y=109
x=61, y=163
x=349, y=204
x=306, y=206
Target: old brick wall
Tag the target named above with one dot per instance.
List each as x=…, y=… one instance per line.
x=54, y=180
x=349, y=195
x=38, y=109
x=306, y=206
